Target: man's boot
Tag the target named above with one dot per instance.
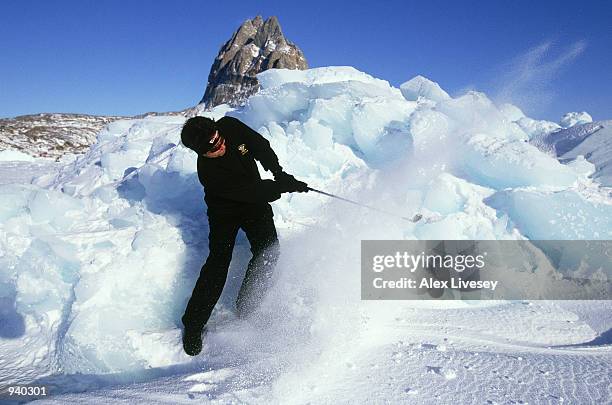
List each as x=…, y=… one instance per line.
x=192, y=338
x=192, y=341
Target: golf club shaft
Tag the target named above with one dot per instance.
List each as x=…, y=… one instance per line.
x=414, y=219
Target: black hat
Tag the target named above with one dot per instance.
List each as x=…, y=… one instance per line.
x=197, y=132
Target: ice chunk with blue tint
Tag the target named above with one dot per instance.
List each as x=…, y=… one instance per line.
x=554, y=215
x=499, y=164
x=420, y=86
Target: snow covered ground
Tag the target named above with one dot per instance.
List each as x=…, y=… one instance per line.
x=99, y=254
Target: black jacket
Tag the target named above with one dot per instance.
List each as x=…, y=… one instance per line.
x=232, y=184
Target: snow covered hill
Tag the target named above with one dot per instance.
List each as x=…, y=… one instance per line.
x=591, y=141
x=51, y=135
x=59, y=135
x=99, y=255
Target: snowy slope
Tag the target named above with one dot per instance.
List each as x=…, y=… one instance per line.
x=51, y=135
x=58, y=135
x=99, y=256
x=592, y=140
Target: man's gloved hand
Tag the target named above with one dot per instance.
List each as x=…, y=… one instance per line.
x=268, y=191
x=289, y=184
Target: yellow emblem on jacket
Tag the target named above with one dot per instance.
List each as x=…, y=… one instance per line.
x=242, y=149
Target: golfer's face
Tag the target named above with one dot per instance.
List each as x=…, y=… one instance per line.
x=218, y=148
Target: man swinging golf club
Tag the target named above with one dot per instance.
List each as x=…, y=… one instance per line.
x=237, y=198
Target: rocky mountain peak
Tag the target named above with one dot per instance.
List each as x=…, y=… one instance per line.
x=257, y=45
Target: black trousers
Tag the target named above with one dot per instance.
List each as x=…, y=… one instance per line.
x=261, y=233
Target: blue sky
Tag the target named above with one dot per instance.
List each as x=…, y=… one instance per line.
x=129, y=57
